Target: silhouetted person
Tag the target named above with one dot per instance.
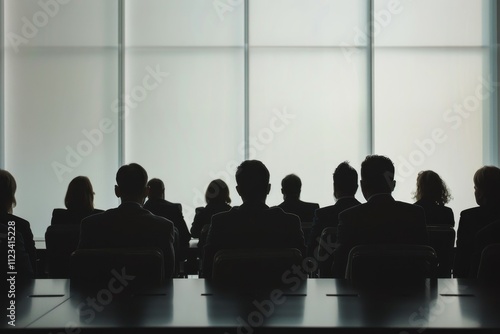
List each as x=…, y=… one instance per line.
x=291, y=186
x=253, y=224
x=22, y=265
x=79, y=202
x=490, y=234
x=345, y=185
x=130, y=225
x=487, y=194
x=432, y=194
x=381, y=220
x=217, y=199
x=8, y=188
x=157, y=204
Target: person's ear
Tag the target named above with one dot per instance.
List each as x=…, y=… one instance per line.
x=393, y=185
x=238, y=190
x=268, y=188
x=117, y=192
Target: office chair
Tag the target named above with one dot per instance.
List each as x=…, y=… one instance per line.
x=60, y=241
x=260, y=266
x=96, y=268
x=328, y=236
x=442, y=239
x=489, y=266
x=391, y=265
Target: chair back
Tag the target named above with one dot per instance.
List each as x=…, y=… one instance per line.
x=60, y=241
x=442, y=239
x=325, y=254
x=260, y=266
x=489, y=266
x=391, y=265
x=133, y=267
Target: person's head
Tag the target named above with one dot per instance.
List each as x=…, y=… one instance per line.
x=487, y=185
x=156, y=189
x=291, y=186
x=131, y=183
x=345, y=180
x=377, y=175
x=8, y=188
x=432, y=188
x=217, y=192
x=80, y=195
x=252, y=179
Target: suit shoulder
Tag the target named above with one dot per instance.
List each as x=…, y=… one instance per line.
x=471, y=212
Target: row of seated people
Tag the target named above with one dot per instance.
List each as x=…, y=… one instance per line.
x=251, y=224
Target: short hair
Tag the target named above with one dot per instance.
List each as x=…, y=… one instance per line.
x=252, y=178
x=345, y=179
x=217, y=192
x=132, y=179
x=291, y=185
x=487, y=180
x=8, y=189
x=377, y=172
x=156, y=188
x=431, y=187
x=80, y=194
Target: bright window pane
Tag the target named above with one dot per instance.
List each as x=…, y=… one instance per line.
x=307, y=22
x=183, y=23
x=59, y=90
x=308, y=113
x=189, y=129
x=431, y=23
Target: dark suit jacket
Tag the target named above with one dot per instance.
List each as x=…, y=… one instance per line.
x=23, y=227
x=327, y=217
x=471, y=221
x=490, y=234
x=381, y=220
x=304, y=210
x=436, y=215
x=204, y=215
x=65, y=217
x=252, y=225
x=127, y=226
x=173, y=212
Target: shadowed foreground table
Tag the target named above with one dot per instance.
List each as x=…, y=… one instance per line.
x=196, y=305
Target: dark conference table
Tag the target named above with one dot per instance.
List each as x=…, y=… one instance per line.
x=316, y=305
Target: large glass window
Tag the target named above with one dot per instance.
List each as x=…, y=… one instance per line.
x=201, y=85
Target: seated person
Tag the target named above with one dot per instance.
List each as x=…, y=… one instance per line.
x=432, y=194
x=381, y=220
x=486, y=236
x=345, y=185
x=487, y=194
x=22, y=265
x=130, y=225
x=79, y=202
x=218, y=200
x=157, y=204
x=290, y=188
x=253, y=224
x=8, y=187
